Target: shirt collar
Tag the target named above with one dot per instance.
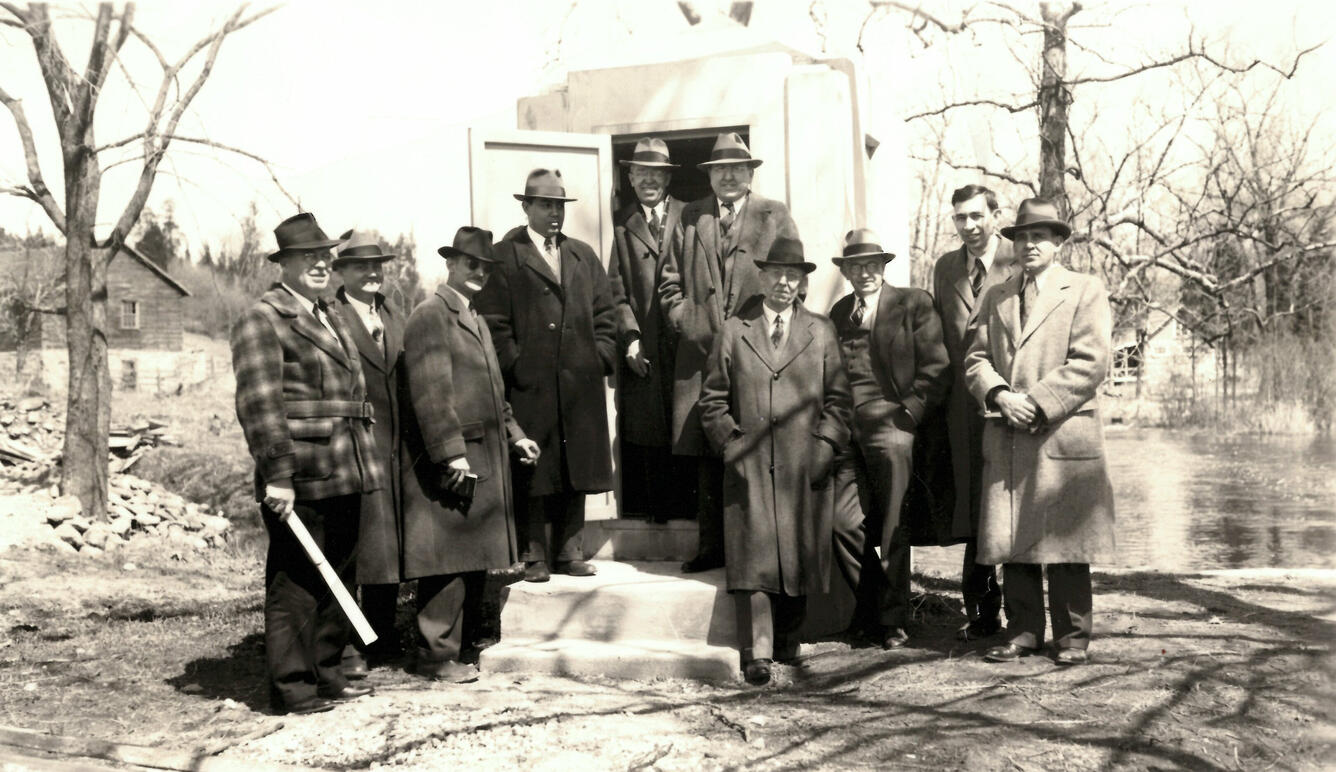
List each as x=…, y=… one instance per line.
x=537, y=238
x=309, y=305
x=737, y=205
x=786, y=314
x=989, y=253
x=873, y=299
x=467, y=303
x=1041, y=280
x=363, y=309
x=648, y=211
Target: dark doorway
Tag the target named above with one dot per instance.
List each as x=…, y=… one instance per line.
x=686, y=148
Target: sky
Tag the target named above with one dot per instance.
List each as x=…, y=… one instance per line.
x=364, y=109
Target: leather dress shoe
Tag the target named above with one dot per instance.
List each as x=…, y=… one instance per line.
x=978, y=629
x=894, y=638
x=308, y=706
x=1072, y=656
x=450, y=672
x=1008, y=653
x=536, y=572
x=702, y=563
x=355, y=668
x=345, y=693
x=575, y=568
x=757, y=672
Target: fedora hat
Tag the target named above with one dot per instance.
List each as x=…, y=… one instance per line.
x=544, y=183
x=730, y=149
x=299, y=232
x=360, y=245
x=860, y=244
x=650, y=151
x=471, y=242
x=1038, y=211
x=786, y=252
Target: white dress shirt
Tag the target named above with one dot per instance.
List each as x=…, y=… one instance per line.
x=872, y=301
x=370, y=316
x=313, y=309
x=737, y=206
x=771, y=316
x=553, y=258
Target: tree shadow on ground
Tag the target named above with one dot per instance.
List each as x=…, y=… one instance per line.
x=238, y=675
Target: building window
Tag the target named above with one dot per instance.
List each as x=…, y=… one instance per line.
x=129, y=314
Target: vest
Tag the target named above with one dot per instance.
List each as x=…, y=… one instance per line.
x=856, y=344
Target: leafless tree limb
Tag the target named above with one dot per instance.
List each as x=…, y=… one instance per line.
x=36, y=188
x=1012, y=108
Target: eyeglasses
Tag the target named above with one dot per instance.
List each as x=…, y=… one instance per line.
x=475, y=264
x=857, y=268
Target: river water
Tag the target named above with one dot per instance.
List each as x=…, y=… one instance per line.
x=1188, y=501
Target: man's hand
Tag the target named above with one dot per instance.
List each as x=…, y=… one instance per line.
x=527, y=450
x=1019, y=409
x=638, y=364
x=455, y=471
x=279, y=497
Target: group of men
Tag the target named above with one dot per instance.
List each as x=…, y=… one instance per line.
x=466, y=436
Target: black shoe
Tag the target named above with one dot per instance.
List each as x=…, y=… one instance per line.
x=702, y=563
x=451, y=672
x=355, y=668
x=978, y=629
x=308, y=706
x=1072, y=656
x=345, y=693
x=574, y=568
x=1008, y=653
x=536, y=572
x=757, y=672
x=894, y=638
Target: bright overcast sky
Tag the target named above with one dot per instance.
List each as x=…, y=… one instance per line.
x=364, y=108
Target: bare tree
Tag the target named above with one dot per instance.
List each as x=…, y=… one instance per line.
x=74, y=98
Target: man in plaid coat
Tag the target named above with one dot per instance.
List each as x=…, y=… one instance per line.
x=301, y=402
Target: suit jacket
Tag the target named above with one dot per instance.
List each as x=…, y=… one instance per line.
x=1047, y=495
x=555, y=342
x=301, y=400
x=957, y=307
x=645, y=402
x=704, y=284
x=908, y=358
x=379, y=534
x=455, y=407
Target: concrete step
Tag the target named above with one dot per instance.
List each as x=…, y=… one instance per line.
x=629, y=659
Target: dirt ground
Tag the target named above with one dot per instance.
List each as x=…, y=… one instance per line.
x=1230, y=670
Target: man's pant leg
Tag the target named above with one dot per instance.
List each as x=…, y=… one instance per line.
x=1069, y=604
x=442, y=603
x=530, y=525
x=1023, y=592
x=710, y=500
x=886, y=440
x=787, y=615
x=756, y=625
x=566, y=511
x=978, y=584
x=850, y=538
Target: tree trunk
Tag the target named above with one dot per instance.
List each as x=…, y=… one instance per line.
x=1054, y=99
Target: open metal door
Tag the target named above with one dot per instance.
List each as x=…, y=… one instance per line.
x=499, y=162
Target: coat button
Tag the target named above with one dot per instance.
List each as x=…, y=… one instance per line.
x=552, y=325
x=776, y=376
x=547, y=290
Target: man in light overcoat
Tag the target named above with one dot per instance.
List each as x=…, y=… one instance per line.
x=775, y=405
x=457, y=423
x=1040, y=351
x=959, y=280
x=302, y=405
x=707, y=282
x=552, y=315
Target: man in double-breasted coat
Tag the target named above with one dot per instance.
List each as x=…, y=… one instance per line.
x=301, y=402
x=378, y=329
x=644, y=231
x=456, y=423
x=708, y=281
x=891, y=339
x=551, y=312
x=1040, y=350
x=959, y=280
x=775, y=405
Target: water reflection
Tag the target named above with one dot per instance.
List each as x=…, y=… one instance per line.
x=1194, y=501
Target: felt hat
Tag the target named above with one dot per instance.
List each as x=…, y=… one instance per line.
x=861, y=244
x=360, y=245
x=300, y=232
x=544, y=183
x=1038, y=211
x=730, y=149
x=786, y=252
x=471, y=242
x=652, y=152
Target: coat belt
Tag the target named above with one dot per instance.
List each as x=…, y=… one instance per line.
x=329, y=408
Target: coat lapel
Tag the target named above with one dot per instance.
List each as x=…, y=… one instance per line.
x=533, y=259
x=456, y=306
x=962, y=282
x=1009, y=309
x=707, y=234
x=306, y=325
x=366, y=345
x=800, y=337
x=570, y=262
x=636, y=226
x=889, y=313
x=394, y=335
x=1052, y=296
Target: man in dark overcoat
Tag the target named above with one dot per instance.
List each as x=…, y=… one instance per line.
x=1041, y=347
x=378, y=329
x=301, y=402
x=959, y=279
x=709, y=280
x=457, y=424
x=551, y=312
x=891, y=340
x=775, y=404
x=646, y=230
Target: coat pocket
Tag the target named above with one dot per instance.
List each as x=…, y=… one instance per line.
x=1077, y=437
x=475, y=449
x=311, y=443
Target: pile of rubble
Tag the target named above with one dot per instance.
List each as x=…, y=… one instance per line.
x=32, y=431
x=134, y=507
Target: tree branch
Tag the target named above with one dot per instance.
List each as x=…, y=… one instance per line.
x=1199, y=53
x=37, y=190
x=974, y=103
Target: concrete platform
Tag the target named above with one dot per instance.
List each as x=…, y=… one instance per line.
x=628, y=659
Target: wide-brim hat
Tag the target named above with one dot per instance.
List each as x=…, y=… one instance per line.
x=730, y=149
x=360, y=245
x=299, y=232
x=471, y=242
x=786, y=252
x=651, y=152
x=1038, y=211
x=862, y=244
x=544, y=183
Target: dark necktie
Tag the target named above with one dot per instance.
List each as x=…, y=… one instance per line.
x=777, y=336
x=726, y=217
x=1029, y=295
x=655, y=226
x=860, y=311
x=976, y=278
